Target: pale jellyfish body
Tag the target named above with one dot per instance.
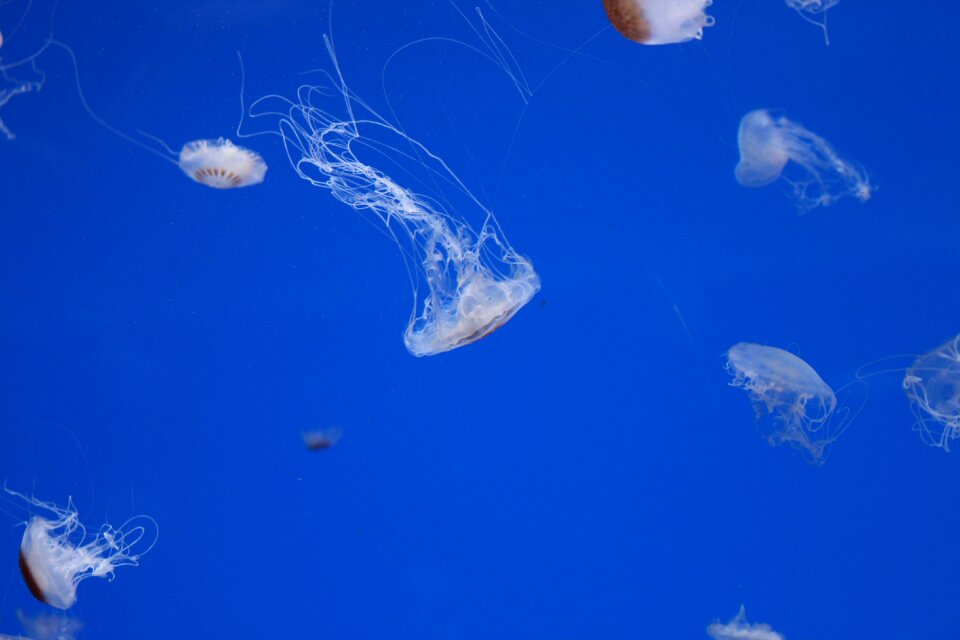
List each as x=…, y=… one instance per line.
x=57, y=553
x=768, y=143
x=659, y=21
x=220, y=164
x=740, y=629
x=809, y=10
x=475, y=281
x=933, y=385
x=782, y=385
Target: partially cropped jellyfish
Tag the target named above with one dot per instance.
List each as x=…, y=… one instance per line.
x=932, y=383
x=740, y=629
x=476, y=282
x=768, y=142
x=810, y=9
x=659, y=21
x=20, y=74
x=57, y=552
x=800, y=404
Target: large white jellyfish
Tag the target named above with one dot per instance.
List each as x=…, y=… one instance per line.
x=800, y=404
x=476, y=281
x=659, y=21
x=57, y=552
x=768, y=142
x=932, y=383
x=740, y=629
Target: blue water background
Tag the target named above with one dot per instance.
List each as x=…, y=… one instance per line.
x=586, y=471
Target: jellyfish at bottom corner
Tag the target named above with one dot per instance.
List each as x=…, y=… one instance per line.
x=800, y=404
x=57, y=552
x=932, y=383
x=476, y=281
x=659, y=21
x=768, y=142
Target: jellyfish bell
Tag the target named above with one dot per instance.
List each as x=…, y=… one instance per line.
x=810, y=9
x=221, y=164
x=802, y=407
x=932, y=383
x=57, y=552
x=321, y=439
x=659, y=21
x=768, y=143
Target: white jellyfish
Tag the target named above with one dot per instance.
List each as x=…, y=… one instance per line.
x=768, y=142
x=21, y=74
x=809, y=9
x=476, y=281
x=57, y=552
x=740, y=629
x=659, y=21
x=932, y=383
x=221, y=164
x=801, y=405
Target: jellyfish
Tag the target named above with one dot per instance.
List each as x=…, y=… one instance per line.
x=768, y=142
x=476, y=282
x=932, y=383
x=320, y=439
x=807, y=9
x=49, y=627
x=799, y=402
x=57, y=552
x=221, y=164
x=20, y=75
x=659, y=21
x=740, y=629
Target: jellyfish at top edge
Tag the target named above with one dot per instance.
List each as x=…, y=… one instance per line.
x=808, y=9
x=476, y=281
x=659, y=21
x=768, y=143
x=800, y=404
x=932, y=383
x=57, y=553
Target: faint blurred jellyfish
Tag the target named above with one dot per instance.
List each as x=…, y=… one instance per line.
x=933, y=385
x=799, y=402
x=659, y=21
x=767, y=143
x=320, y=439
x=476, y=281
x=49, y=627
x=740, y=629
x=57, y=553
x=808, y=9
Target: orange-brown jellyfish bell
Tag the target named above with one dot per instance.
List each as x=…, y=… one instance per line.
x=659, y=21
x=58, y=553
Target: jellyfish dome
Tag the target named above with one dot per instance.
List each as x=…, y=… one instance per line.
x=659, y=21
x=57, y=552
x=787, y=388
x=221, y=164
x=768, y=143
x=475, y=280
x=933, y=385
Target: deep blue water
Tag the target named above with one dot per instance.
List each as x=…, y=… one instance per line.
x=585, y=471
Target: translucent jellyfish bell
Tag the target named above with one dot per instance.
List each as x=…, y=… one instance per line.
x=933, y=385
x=221, y=164
x=810, y=9
x=57, y=552
x=659, y=21
x=476, y=282
x=767, y=143
x=802, y=406
x=740, y=629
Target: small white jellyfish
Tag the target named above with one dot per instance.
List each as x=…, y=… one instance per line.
x=321, y=439
x=932, y=383
x=807, y=9
x=659, y=21
x=767, y=143
x=740, y=629
x=57, y=553
x=799, y=402
x=476, y=280
x=221, y=164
